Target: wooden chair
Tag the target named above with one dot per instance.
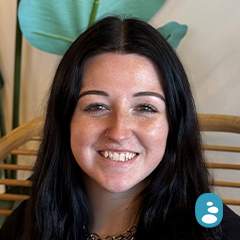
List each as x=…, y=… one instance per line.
x=10, y=144
x=223, y=124
x=32, y=130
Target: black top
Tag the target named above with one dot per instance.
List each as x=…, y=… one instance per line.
x=11, y=228
x=230, y=224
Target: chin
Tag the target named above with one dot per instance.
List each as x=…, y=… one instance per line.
x=116, y=189
x=124, y=188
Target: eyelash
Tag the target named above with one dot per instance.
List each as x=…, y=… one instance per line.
x=142, y=108
x=146, y=108
x=96, y=107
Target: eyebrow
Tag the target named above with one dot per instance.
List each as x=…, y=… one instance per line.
x=139, y=94
x=93, y=92
x=154, y=94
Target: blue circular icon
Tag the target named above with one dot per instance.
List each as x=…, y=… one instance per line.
x=209, y=210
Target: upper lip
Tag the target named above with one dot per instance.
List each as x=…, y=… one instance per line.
x=117, y=150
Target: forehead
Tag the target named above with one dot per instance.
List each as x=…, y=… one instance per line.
x=130, y=70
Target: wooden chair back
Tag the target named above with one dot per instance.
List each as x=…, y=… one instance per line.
x=31, y=131
x=10, y=144
x=223, y=124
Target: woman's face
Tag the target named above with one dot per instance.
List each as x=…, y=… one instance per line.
x=119, y=127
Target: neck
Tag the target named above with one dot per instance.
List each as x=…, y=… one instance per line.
x=112, y=213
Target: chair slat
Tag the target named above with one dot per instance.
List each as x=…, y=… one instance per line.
x=13, y=182
x=221, y=148
x=13, y=197
x=5, y=212
x=37, y=138
x=224, y=166
x=24, y=152
x=219, y=123
x=231, y=201
x=225, y=184
x=16, y=167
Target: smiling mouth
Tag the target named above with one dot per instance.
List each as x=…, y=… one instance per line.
x=118, y=157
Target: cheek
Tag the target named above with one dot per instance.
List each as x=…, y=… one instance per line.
x=156, y=131
x=80, y=137
x=77, y=134
x=80, y=130
x=154, y=139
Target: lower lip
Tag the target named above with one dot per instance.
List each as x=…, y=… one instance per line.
x=120, y=163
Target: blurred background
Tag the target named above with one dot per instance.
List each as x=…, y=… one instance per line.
x=210, y=53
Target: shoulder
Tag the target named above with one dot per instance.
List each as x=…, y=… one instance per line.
x=12, y=227
x=230, y=224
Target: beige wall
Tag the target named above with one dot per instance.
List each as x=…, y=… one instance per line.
x=38, y=69
x=210, y=53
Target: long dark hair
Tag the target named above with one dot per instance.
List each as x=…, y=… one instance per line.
x=58, y=207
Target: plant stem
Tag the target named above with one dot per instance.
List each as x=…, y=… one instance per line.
x=93, y=13
x=2, y=123
x=7, y=173
x=17, y=75
x=54, y=36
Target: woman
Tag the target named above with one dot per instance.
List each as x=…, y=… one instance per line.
x=121, y=147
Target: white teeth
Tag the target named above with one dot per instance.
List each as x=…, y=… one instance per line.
x=105, y=154
x=118, y=157
x=115, y=156
x=122, y=157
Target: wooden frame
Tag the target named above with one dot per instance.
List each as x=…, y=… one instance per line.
x=222, y=123
x=32, y=130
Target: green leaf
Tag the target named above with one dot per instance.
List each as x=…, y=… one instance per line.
x=173, y=32
x=1, y=81
x=52, y=25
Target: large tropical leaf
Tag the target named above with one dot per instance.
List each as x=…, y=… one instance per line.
x=173, y=32
x=52, y=25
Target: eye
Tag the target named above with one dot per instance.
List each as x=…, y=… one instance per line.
x=146, y=108
x=96, y=108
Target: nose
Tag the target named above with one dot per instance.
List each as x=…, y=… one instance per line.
x=119, y=128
